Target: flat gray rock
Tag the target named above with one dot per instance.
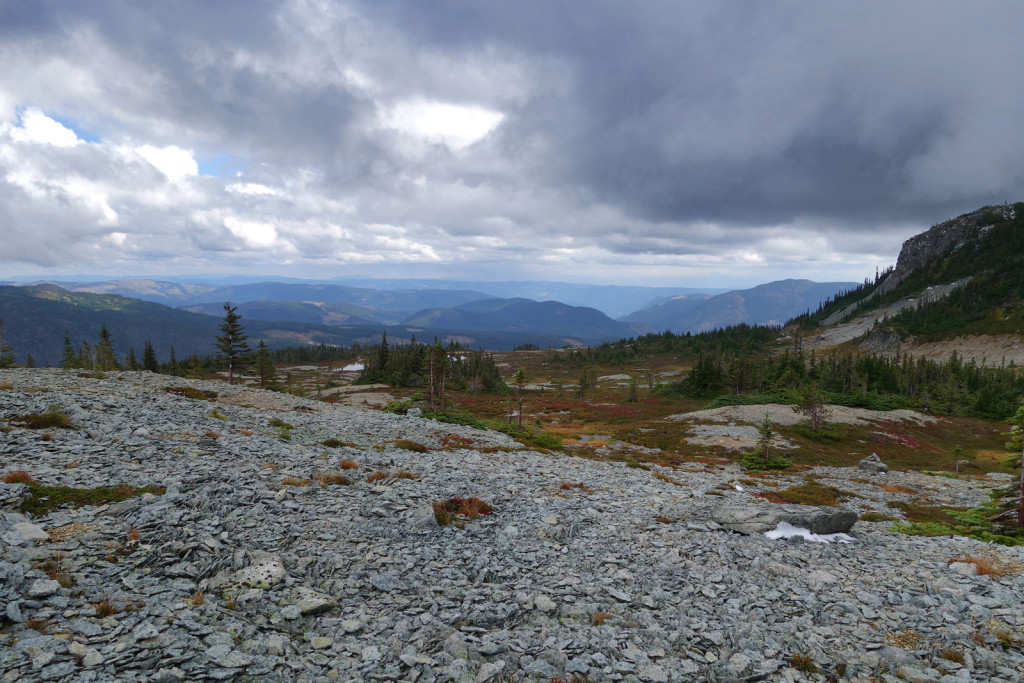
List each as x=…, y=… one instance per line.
x=758, y=519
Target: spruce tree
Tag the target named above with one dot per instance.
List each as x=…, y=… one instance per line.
x=69, y=360
x=105, y=358
x=196, y=366
x=132, y=362
x=265, y=365
x=6, y=350
x=233, y=342
x=149, y=361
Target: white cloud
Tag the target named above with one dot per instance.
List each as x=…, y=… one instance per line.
x=40, y=128
x=457, y=126
x=255, y=233
x=174, y=162
x=251, y=188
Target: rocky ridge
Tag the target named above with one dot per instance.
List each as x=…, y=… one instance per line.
x=621, y=576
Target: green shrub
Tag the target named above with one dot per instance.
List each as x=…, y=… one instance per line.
x=411, y=446
x=397, y=407
x=335, y=443
x=750, y=400
x=754, y=460
x=876, y=517
x=547, y=440
x=53, y=418
x=456, y=418
x=193, y=393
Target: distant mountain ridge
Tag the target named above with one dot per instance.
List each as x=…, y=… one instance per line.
x=526, y=315
x=772, y=303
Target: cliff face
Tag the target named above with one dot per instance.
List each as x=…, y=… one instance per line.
x=921, y=250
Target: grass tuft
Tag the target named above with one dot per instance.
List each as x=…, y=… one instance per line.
x=348, y=465
x=414, y=446
x=326, y=479
x=295, y=481
x=19, y=477
x=876, y=517
x=192, y=393
x=804, y=663
x=39, y=625
x=458, y=510
x=53, y=418
x=105, y=608
x=337, y=443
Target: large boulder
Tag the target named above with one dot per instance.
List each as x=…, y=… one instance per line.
x=874, y=464
x=757, y=519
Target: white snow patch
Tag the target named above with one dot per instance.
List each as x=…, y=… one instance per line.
x=787, y=530
x=351, y=367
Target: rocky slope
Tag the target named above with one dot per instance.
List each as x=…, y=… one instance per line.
x=586, y=568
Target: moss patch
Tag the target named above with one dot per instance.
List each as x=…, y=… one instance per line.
x=43, y=499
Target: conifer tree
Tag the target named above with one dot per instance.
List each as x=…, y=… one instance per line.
x=519, y=380
x=69, y=360
x=85, y=356
x=196, y=366
x=233, y=342
x=6, y=350
x=105, y=358
x=131, y=362
x=1013, y=497
x=265, y=365
x=149, y=361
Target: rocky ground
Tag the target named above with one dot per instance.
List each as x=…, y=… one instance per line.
x=583, y=568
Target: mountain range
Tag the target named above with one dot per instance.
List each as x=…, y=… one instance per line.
x=769, y=304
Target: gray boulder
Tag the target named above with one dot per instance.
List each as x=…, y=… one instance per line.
x=873, y=463
x=757, y=519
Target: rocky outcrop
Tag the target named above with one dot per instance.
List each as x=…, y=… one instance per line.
x=757, y=519
x=929, y=246
x=873, y=464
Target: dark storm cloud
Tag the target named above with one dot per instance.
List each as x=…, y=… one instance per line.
x=740, y=131
x=759, y=112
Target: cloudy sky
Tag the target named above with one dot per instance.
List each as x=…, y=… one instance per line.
x=649, y=142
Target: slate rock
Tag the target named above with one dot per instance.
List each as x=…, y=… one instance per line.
x=873, y=463
x=757, y=519
x=43, y=588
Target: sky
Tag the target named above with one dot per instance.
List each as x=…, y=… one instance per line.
x=674, y=143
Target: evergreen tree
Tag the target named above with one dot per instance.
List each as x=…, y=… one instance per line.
x=85, y=356
x=233, y=342
x=105, y=358
x=265, y=365
x=149, y=361
x=519, y=380
x=172, y=365
x=132, y=362
x=6, y=350
x=1013, y=497
x=196, y=367
x=70, y=360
